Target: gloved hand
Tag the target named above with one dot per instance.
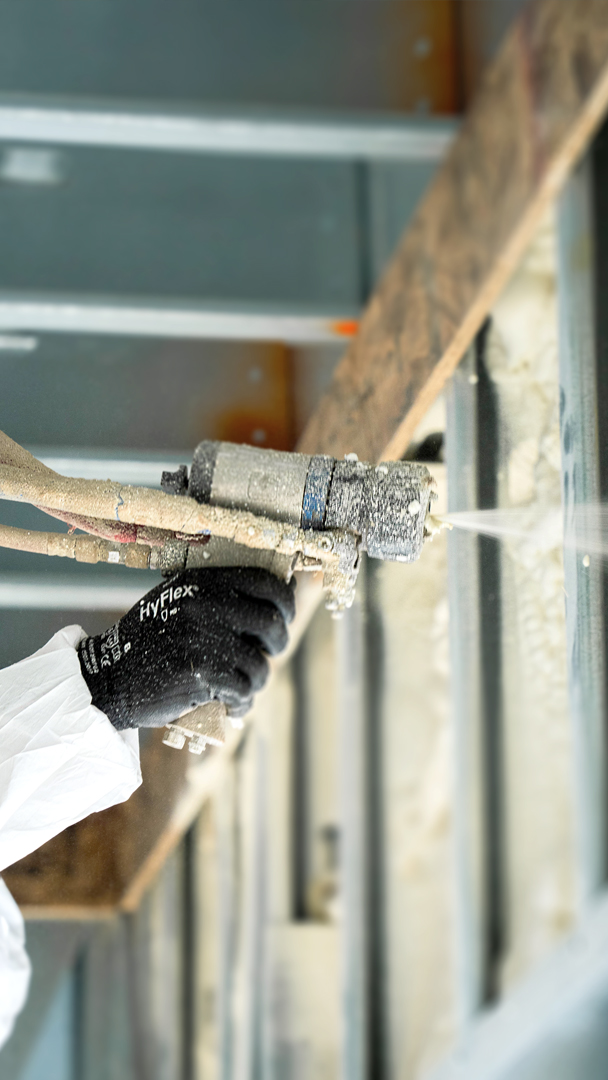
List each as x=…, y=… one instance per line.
x=201, y=635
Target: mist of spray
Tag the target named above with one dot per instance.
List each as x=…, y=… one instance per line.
x=585, y=529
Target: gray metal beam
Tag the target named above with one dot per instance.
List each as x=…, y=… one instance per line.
x=581, y=493
x=168, y=319
x=553, y=1027
x=227, y=933
x=131, y=126
x=354, y=837
x=467, y=719
x=143, y=470
x=46, y=593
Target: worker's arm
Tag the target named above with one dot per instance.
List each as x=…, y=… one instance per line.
x=60, y=757
x=60, y=760
x=15, y=966
x=204, y=634
x=66, y=748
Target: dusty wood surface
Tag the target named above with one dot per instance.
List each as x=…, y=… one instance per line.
x=540, y=103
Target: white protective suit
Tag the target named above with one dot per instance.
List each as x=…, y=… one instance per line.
x=60, y=760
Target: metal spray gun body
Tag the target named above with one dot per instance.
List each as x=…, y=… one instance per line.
x=329, y=512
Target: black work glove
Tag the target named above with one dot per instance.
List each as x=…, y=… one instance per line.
x=201, y=635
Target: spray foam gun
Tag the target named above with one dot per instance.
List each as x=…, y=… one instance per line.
x=240, y=506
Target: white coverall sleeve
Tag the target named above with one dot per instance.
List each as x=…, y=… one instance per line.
x=14, y=963
x=60, y=760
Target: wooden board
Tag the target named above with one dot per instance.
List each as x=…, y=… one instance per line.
x=539, y=105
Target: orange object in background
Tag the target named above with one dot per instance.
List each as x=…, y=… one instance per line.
x=345, y=327
x=263, y=411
